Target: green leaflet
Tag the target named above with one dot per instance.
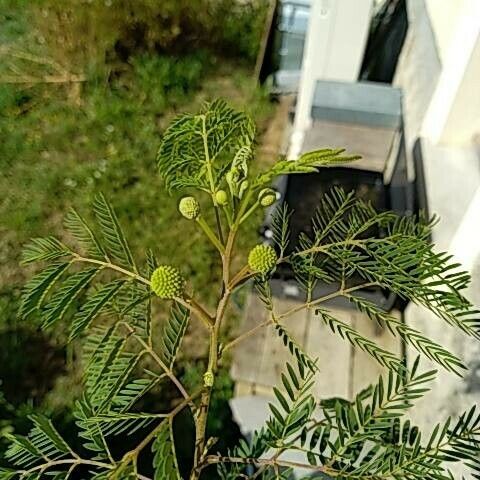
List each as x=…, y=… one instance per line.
x=295, y=349
x=345, y=331
x=295, y=407
x=173, y=332
x=94, y=306
x=165, y=460
x=410, y=335
x=308, y=162
x=63, y=298
x=115, y=241
x=79, y=228
x=89, y=431
x=42, y=441
x=47, y=248
x=281, y=228
x=38, y=286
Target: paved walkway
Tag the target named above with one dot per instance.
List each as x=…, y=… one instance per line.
x=260, y=359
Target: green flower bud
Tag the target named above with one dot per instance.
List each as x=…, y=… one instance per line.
x=189, y=208
x=262, y=259
x=267, y=197
x=243, y=187
x=167, y=282
x=208, y=379
x=221, y=197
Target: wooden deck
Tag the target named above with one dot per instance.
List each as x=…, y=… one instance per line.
x=374, y=144
x=344, y=370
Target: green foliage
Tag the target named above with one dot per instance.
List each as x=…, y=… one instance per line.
x=173, y=333
x=93, y=306
x=48, y=248
x=195, y=148
x=85, y=34
x=382, y=356
x=80, y=230
x=36, y=288
x=368, y=438
x=304, y=361
x=280, y=228
x=115, y=243
x=165, y=461
x=307, y=162
x=296, y=406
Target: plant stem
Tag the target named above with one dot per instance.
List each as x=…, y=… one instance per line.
x=302, y=306
x=208, y=161
x=250, y=211
x=132, y=455
x=197, y=309
x=201, y=421
x=219, y=224
x=74, y=462
x=159, y=361
x=210, y=234
x=111, y=266
x=330, y=296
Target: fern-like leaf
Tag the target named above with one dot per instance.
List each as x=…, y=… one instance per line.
x=303, y=359
x=306, y=163
x=295, y=405
x=345, y=331
x=38, y=287
x=94, y=306
x=116, y=243
x=112, y=424
x=281, y=228
x=43, y=442
x=82, y=232
x=89, y=431
x=173, y=333
x=46, y=248
x=165, y=459
x=195, y=148
x=410, y=335
x=63, y=298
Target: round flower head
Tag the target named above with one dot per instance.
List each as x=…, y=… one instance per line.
x=267, y=197
x=167, y=282
x=262, y=259
x=221, y=197
x=189, y=208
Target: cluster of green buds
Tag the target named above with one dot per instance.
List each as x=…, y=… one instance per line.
x=167, y=282
x=237, y=182
x=262, y=259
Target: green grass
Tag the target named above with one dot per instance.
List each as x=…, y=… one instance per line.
x=59, y=146
x=58, y=152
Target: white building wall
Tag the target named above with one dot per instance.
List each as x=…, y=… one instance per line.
x=453, y=116
x=334, y=46
x=443, y=15
x=439, y=72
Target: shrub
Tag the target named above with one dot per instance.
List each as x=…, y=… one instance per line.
x=82, y=34
x=106, y=295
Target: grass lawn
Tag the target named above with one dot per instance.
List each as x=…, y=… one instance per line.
x=60, y=145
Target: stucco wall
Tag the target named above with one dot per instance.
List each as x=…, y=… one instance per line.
x=452, y=173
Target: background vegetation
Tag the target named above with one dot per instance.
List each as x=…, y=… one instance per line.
x=86, y=89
